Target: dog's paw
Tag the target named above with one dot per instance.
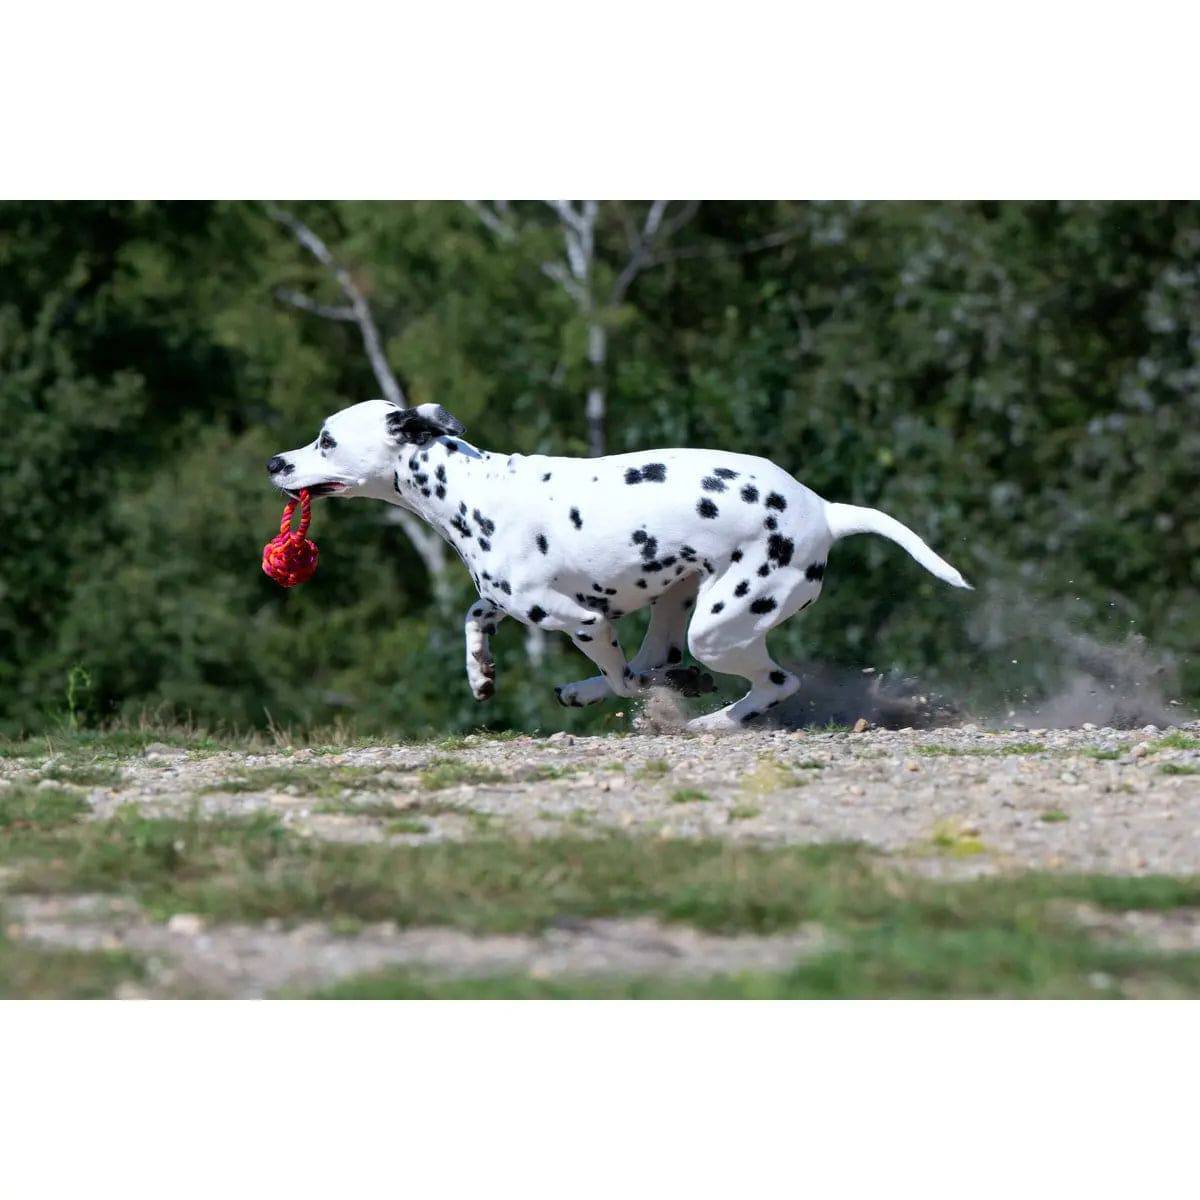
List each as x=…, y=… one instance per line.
x=583, y=693
x=481, y=675
x=483, y=691
x=690, y=681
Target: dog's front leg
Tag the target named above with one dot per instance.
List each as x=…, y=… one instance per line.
x=480, y=623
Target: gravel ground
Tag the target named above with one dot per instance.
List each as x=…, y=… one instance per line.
x=952, y=802
x=999, y=801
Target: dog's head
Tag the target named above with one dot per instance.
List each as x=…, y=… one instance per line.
x=355, y=452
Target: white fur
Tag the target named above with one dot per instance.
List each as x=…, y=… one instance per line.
x=730, y=541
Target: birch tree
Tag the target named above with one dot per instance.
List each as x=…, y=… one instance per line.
x=356, y=310
x=596, y=287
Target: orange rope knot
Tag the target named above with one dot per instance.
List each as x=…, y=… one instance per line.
x=291, y=558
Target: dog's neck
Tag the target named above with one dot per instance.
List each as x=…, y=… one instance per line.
x=444, y=482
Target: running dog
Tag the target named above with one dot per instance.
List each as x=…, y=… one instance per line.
x=730, y=541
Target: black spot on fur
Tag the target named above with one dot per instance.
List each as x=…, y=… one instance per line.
x=669, y=561
x=674, y=655
x=488, y=527
x=764, y=570
x=583, y=637
x=576, y=519
x=461, y=526
x=489, y=629
x=639, y=535
x=720, y=604
x=451, y=447
x=654, y=472
x=814, y=571
x=780, y=548
x=710, y=483
x=688, y=604
x=742, y=588
x=505, y=587
x=776, y=501
x=440, y=473
x=542, y=544
x=706, y=508
x=440, y=492
x=652, y=566
x=639, y=583
x=725, y=473
x=771, y=523
x=484, y=544
x=778, y=678
x=736, y=556
x=764, y=604
x=750, y=493
x=546, y=477
x=749, y=717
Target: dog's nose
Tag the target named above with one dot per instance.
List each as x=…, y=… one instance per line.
x=277, y=464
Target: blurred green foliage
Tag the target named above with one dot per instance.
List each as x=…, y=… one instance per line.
x=1019, y=382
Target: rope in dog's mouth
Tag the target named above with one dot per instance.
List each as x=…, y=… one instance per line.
x=290, y=558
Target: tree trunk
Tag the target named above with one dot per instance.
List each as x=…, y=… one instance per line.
x=597, y=356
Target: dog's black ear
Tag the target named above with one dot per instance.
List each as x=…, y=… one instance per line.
x=422, y=424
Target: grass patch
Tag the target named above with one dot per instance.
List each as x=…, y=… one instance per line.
x=1054, y=816
x=1175, y=741
x=24, y=806
x=94, y=774
x=1178, y=769
x=1108, y=755
x=955, y=840
x=934, y=750
x=452, y=772
x=891, y=934
x=768, y=776
x=407, y=825
x=307, y=778
x=29, y=971
x=809, y=764
x=689, y=796
x=744, y=812
x=654, y=768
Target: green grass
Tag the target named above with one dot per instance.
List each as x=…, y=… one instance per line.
x=934, y=749
x=32, y=972
x=1107, y=755
x=891, y=934
x=689, y=796
x=744, y=812
x=1178, y=769
x=24, y=806
x=654, y=768
x=1054, y=816
x=1175, y=741
x=452, y=772
x=307, y=778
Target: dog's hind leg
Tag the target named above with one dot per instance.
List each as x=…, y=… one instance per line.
x=729, y=636
x=478, y=625
x=661, y=647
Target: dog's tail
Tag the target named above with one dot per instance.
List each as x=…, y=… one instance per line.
x=845, y=519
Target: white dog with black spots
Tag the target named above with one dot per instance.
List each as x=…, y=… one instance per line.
x=730, y=541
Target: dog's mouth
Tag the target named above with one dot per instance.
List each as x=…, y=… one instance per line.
x=316, y=489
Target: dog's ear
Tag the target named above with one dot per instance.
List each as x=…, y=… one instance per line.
x=422, y=424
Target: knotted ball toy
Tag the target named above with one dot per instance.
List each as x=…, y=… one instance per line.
x=291, y=558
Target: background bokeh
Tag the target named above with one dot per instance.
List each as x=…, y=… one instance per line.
x=1018, y=382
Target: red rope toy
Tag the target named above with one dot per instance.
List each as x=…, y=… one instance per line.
x=291, y=558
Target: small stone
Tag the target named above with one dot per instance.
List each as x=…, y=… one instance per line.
x=49, y=785
x=162, y=750
x=1069, y=777
x=562, y=737
x=861, y=725
x=187, y=924
x=1140, y=750
x=1150, y=729
x=911, y=764
x=1088, y=726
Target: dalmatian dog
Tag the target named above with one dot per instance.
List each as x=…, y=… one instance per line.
x=729, y=542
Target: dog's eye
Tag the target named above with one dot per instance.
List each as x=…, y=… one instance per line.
x=325, y=442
